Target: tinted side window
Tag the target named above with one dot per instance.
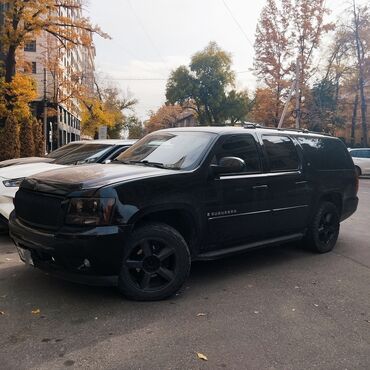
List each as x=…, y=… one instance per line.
x=281, y=153
x=326, y=153
x=243, y=147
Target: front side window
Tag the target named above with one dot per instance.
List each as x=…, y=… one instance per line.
x=281, y=153
x=181, y=150
x=243, y=147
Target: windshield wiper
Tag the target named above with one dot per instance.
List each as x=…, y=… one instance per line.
x=146, y=163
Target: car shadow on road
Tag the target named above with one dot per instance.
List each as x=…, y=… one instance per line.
x=202, y=273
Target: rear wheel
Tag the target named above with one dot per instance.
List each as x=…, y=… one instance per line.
x=155, y=264
x=323, y=232
x=358, y=171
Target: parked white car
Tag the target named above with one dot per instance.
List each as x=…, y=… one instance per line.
x=361, y=159
x=83, y=152
x=58, y=153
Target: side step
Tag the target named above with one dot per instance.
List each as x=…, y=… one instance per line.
x=242, y=248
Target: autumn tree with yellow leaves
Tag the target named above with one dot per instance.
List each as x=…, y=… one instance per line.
x=24, y=21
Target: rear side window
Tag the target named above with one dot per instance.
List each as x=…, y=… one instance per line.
x=281, y=153
x=360, y=153
x=326, y=153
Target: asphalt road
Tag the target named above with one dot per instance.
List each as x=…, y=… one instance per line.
x=278, y=308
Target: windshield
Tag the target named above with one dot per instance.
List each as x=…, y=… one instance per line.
x=64, y=150
x=87, y=153
x=172, y=150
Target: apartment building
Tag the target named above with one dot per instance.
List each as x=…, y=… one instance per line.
x=61, y=74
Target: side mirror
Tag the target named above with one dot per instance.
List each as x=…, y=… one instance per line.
x=229, y=165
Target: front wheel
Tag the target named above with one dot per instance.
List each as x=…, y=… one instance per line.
x=156, y=263
x=323, y=231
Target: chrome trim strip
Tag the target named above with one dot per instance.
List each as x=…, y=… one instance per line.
x=257, y=212
x=260, y=175
x=239, y=214
x=288, y=208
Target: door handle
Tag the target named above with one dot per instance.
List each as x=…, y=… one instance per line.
x=260, y=187
x=301, y=182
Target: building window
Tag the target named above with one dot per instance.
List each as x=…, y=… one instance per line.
x=30, y=46
x=34, y=67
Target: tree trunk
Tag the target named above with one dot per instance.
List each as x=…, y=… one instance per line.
x=354, y=121
x=361, y=72
x=363, y=113
x=10, y=63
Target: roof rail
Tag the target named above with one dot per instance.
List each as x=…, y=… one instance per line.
x=247, y=125
x=252, y=125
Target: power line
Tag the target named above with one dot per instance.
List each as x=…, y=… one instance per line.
x=237, y=23
x=149, y=78
x=141, y=24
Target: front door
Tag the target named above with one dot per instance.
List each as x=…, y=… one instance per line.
x=238, y=212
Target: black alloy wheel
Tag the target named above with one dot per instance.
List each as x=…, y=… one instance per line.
x=324, y=229
x=328, y=227
x=156, y=263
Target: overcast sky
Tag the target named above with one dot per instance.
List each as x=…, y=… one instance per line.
x=152, y=37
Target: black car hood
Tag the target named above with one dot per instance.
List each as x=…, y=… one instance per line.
x=95, y=176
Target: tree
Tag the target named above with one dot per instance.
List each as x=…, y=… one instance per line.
x=263, y=111
x=204, y=86
x=25, y=19
x=27, y=143
x=361, y=31
x=274, y=51
x=165, y=117
x=287, y=29
x=105, y=109
x=38, y=137
x=135, y=128
x=9, y=139
x=238, y=106
x=322, y=107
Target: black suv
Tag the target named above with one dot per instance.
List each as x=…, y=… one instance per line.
x=180, y=195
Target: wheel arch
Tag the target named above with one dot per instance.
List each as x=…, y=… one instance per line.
x=181, y=218
x=333, y=197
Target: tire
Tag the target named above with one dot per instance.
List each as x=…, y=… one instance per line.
x=358, y=171
x=323, y=231
x=156, y=263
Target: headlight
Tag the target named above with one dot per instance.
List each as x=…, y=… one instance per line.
x=90, y=211
x=13, y=183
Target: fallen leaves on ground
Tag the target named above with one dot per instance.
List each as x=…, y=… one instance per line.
x=201, y=356
x=36, y=311
x=2, y=313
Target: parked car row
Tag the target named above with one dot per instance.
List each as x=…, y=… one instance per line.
x=180, y=195
x=13, y=172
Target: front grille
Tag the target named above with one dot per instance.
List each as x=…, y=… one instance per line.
x=39, y=209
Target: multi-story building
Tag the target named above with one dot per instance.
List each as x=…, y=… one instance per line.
x=61, y=74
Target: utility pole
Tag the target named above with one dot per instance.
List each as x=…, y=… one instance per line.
x=46, y=136
x=297, y=95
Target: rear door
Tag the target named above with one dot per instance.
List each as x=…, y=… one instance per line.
x=291, y=191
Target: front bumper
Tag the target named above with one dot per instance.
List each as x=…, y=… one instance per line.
x=87, y=256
